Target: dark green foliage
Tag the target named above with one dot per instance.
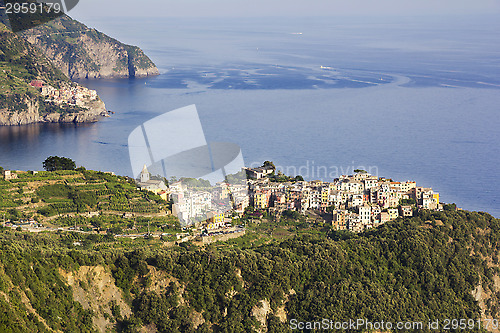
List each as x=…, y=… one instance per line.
x=193, y=182
x=291, y=214
x=406, y=202
x=57, y=190
x=36, y=274
x=280, y=177
x=406, y=270
x=398, y=272
x=162, y=309
x=268, y=164
x=450, y=207
x=54, y=163
x=237, y=178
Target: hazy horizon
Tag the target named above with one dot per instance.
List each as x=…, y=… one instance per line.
x=264, y=8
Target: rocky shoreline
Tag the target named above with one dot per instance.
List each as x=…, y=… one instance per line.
x=32, y=115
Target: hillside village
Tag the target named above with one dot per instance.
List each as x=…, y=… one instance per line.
x=356, y=202
x=75, y=95
x=213, y=205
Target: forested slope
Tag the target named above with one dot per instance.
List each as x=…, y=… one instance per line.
x=422, y=268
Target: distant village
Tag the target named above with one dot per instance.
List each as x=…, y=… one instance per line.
x=70, y=95
x=357, y=202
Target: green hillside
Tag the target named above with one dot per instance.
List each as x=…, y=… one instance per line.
x=77, y=50
x=20, y=63
x=65, y=198
x=433, y=266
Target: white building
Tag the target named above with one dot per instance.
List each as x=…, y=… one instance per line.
x=145, y=183
x=364, y=213
x=357, y=200
x=8, y=175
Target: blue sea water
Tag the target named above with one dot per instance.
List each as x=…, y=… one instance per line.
x=407, y=98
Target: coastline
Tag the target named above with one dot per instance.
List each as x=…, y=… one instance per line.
x=96, y=110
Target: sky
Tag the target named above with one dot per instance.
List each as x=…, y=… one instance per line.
x=89, y=9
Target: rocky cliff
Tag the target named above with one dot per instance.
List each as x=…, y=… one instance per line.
x=81, y=52
x=20, y=101
x=31, y=114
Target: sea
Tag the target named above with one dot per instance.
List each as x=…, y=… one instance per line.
x=408, y=98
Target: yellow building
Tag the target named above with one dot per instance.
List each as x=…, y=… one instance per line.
x=325, y=192
x=393, y=213
x=261, y=200
x=435, y=196
x=215, y=217
x=339, y=220
x=163, y=195
x=215, y=220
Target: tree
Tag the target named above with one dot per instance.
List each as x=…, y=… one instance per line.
x=54, y=163
x=406, y=202
x=291, y=214
x=269, y=163
x=450, y=207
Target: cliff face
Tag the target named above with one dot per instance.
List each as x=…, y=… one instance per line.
x=32, y=114
x=21, y=103
x=29, y=116
x=81, y=52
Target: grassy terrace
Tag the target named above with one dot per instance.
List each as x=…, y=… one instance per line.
x=68, y=198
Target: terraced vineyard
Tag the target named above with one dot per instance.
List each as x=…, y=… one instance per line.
x=92, y=199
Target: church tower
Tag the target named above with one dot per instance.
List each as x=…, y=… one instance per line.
x=144, y=174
